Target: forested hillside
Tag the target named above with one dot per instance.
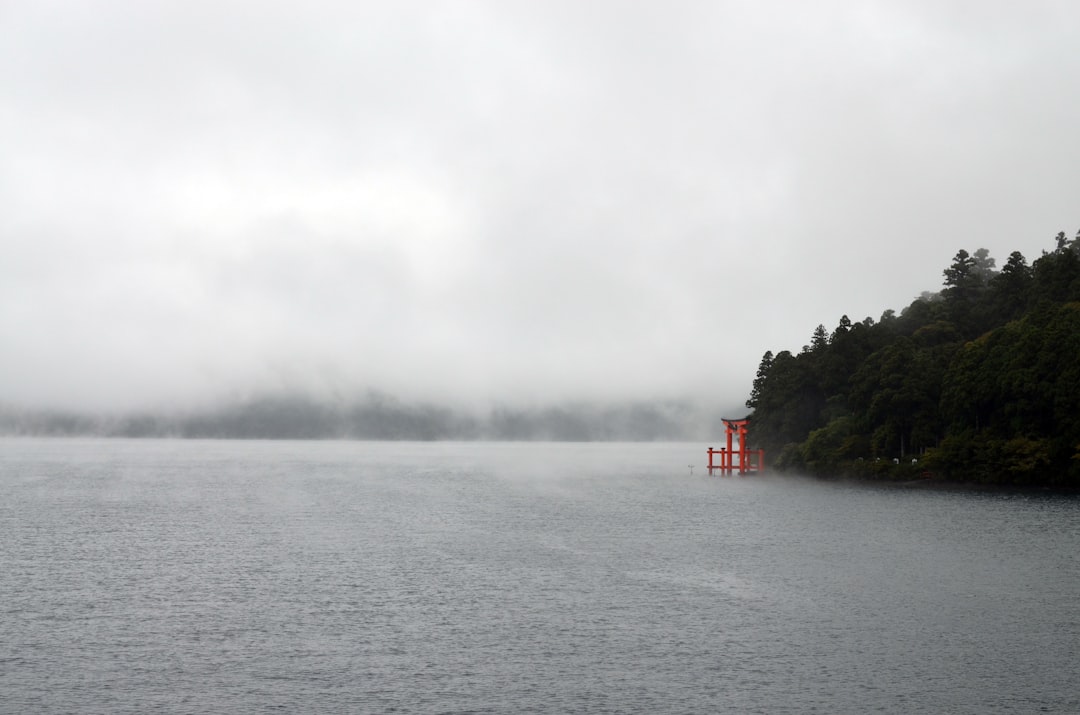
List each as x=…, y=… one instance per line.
x=978, y=382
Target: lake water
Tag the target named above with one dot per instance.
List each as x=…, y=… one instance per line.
x=353, y=577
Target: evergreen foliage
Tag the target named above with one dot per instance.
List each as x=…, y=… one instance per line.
x=979, y=382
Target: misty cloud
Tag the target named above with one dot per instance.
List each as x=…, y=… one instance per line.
x=501, y=202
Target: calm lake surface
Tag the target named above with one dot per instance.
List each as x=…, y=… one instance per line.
x=353, y=577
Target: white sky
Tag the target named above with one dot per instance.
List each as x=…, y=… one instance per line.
x=511, y=201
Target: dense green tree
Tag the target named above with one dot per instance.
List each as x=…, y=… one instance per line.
x=1016, y=390
x=789, y=404
x=961, y=279
x=979, y=382
x=1057, y=274
x=1010, y=290
x=967, y=282
x=759, y=379
x=983, y=268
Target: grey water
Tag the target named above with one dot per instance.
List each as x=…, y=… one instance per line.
x=359, y=577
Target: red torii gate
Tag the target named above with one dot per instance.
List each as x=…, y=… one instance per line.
x=748, y=461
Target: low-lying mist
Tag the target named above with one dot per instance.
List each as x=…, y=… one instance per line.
x=377, y=416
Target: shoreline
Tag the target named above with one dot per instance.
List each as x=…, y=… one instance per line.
x=943, y=485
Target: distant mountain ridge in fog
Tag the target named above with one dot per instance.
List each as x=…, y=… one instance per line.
x=379, y=417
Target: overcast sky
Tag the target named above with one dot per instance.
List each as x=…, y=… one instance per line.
x=502, y=201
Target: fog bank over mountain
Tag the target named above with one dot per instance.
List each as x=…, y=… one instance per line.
x=379, y=417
